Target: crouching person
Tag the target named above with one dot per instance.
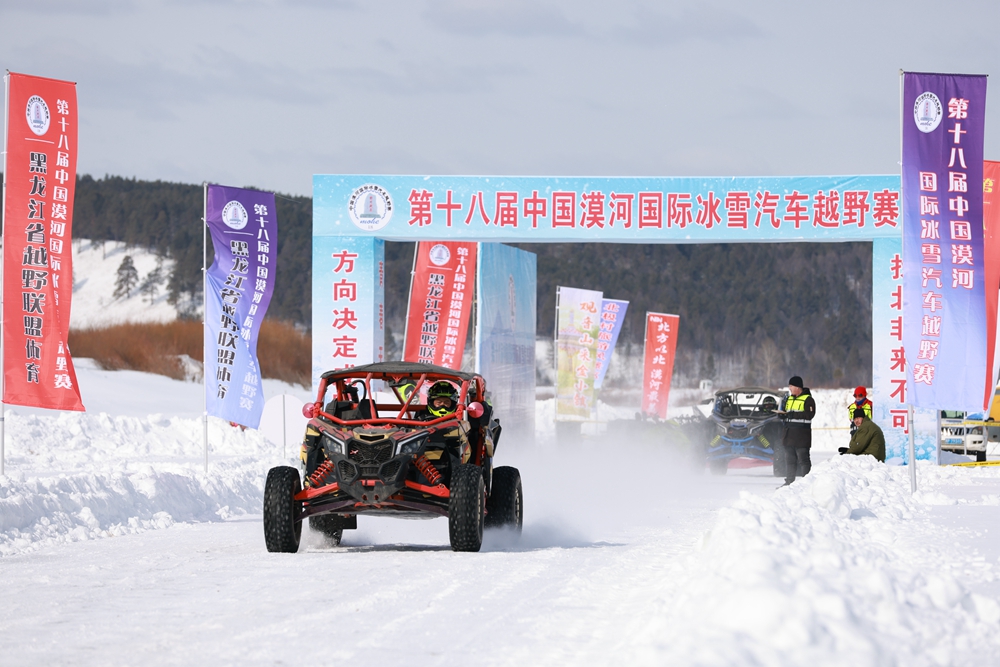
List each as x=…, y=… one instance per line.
x=867, y=439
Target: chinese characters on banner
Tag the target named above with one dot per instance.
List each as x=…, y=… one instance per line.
x=348, y=303
x=441, y=293
x=991, y=248
x=944, y=287
x=40, y=174
x=530, y=209
x=658, y=366
x=578, y=320
x=244, y=229
x=612, y=318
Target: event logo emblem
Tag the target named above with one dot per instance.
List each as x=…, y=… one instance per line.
x=37, y=114
x=927, y=112
x=439, y=255
x=234, y=215
x=370, y=207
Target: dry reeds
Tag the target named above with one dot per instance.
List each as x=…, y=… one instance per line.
x=283, y=351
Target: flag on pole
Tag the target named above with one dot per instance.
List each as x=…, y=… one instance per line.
x=612, y=318
x=944, y=304
x=39, y=184
x=441, y=292
x=991, y=250
x=660, y=348
x=577, y=330
x=239, y=284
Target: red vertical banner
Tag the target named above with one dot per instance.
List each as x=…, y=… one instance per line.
x=991, y=269
x=441, y=292
x=658, y=367
x=40, y=182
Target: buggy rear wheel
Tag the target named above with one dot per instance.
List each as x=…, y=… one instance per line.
x=282, y=527
x=505, y=507
x=466, y=508
x=331, y=526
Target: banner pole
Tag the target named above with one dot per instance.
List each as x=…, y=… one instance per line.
x=3, y=367
x=911, y=450
x=204, y=316
x=409, y=297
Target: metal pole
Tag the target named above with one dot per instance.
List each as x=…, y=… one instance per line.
x=204, y=315
x=284, y=429
x=912, y=460
x=6, y=122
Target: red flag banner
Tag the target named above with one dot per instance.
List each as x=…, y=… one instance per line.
x=658, y=368
x=39, y=185
x=991, y=269
x=437, y=319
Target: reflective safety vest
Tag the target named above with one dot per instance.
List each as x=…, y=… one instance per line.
x=796, y=404
x=866, y=406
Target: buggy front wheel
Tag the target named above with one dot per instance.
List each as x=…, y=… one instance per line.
x=466, y=508
x=282, y=525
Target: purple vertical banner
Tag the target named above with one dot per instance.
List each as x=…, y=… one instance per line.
x=944, y=311
x=612, y=318
x=244, y=228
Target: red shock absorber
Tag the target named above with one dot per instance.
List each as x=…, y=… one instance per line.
x=427, y=469
x=320, y=474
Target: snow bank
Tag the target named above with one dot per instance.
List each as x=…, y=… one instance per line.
x=840, y=568
x=80, y=476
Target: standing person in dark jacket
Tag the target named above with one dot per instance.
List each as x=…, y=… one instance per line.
x=797, y=414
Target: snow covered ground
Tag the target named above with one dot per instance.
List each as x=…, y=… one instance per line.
x=116, y=548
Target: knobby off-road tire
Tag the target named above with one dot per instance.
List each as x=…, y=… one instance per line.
x=330, y=526
x=281, y=530
x=466, y=508
x=505, y=507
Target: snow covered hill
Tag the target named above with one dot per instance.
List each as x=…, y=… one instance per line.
x=95, y=268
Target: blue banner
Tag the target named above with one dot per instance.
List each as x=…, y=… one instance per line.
x=943, y=281
x=889, y=393
x=239, y=284
x=612, y=210
x=348, y=297
x=612, y=318
x=505, y=333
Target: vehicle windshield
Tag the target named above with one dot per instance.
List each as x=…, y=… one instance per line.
x=746, y=404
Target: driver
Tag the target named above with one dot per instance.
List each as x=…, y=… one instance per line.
x=442, y=399
x=769, y=404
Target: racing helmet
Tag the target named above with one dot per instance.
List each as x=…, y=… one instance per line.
x=769, y=404
x=442, y=389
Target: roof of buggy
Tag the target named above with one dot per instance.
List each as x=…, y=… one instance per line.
x=750, y=390
x=397, y=369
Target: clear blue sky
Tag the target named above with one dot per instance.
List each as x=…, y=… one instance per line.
x=268, y=93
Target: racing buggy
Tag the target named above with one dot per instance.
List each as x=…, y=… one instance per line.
x=378, y=447
x=747, y=425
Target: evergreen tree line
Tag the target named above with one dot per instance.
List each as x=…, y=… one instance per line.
x=166, y=218
x=759, y=311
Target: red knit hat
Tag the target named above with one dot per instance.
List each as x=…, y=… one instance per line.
x=861, y=391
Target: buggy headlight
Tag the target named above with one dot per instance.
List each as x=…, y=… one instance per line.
x=411, y=445
x=332, y=445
